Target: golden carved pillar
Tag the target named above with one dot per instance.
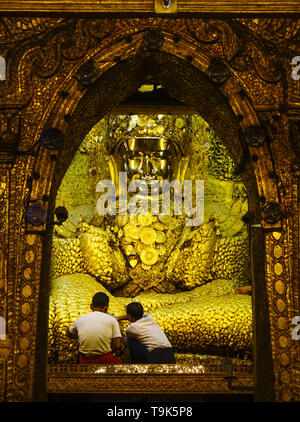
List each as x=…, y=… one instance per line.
x=279, y=294
x=24, y=258
x=5, y=344
x=295, y=241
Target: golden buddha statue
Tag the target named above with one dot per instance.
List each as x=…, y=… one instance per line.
x=148, y=245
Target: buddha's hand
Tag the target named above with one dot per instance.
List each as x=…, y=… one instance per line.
x=190, y=263
x=102, y=257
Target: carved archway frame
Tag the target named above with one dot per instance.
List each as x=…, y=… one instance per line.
x=42, y=91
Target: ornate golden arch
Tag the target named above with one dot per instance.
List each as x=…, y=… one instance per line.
x=69, y=82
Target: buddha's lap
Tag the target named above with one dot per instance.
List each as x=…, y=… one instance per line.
x=194, y=321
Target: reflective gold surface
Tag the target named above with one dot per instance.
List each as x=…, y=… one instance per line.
x=146, y=157
x=148, y=6
x=206, y=377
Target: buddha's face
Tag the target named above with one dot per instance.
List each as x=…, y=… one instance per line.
x=147, y=159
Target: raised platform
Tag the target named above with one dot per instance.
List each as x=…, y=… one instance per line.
x=205, y=377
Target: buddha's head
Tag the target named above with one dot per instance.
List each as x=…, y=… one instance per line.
x=149, y=159
x=146, y=158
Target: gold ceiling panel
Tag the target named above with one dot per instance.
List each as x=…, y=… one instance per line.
x=148, y=6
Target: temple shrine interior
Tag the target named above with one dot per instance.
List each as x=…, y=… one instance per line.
x=150, y=150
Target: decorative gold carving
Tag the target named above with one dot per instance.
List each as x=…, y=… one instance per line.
x=282, y=323
x=277, y=251
x=278, y=269
x=206, y=378
x=296, y=373
x=14, y=28
x=147, y=6
x=22, y=361
x=5, y=349
x=279, y=287
x=284, y=359
x=25, y=326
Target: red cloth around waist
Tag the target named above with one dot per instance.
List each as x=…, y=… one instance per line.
x=108, y=358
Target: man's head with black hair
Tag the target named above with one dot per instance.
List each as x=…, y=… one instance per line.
x=135, y=311
x=100, y=301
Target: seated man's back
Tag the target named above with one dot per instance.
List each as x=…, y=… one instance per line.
x=149, y=333
x=98, y=333
x=95, y=332
x=146, y=340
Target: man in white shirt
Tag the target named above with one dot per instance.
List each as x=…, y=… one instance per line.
x=98, y=333
x=146, y=340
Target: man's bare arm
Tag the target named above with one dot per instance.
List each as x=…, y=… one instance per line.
x=115, y=344
x=243, y=290
x=122, y=317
